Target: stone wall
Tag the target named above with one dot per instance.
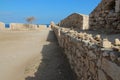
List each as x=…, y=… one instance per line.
x=42, y=27
x=19, y=26
x=75, y=20
x=106, y=16
x=90, y=57
x=2, y=26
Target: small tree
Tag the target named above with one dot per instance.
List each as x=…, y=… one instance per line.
x=30, y=19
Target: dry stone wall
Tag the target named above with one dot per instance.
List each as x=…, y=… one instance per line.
x=2, y=26
x=106, y=16
x=90, y=57
x=76, y=20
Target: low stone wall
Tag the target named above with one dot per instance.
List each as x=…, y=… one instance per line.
x=42, y=27
x=19, y=26
x=75, y=20
x=2, y=26
x=106, y=16
x=90, y=57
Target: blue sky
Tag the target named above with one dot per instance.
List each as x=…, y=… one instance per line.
x=43, y=10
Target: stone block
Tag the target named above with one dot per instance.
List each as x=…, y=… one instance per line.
x=106, y=43
x=97, y=37
x=117, y=42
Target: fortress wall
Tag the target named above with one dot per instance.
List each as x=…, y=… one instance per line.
x=2, y=26
x=42, y=27
x=90, y=57
x=75, y=20
x=106, y=16
x=19, y=26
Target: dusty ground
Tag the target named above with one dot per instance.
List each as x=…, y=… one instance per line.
x=27, y=56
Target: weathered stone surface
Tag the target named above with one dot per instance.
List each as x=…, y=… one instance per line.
x=105, y=17
x=97, y=38
x=92, y=68
x=106, y=43
x=117, y=42
x=113, y=56
x=75, y=20
x=101, y=75
x=92, y=55
x=105, y=54
x=111, y=69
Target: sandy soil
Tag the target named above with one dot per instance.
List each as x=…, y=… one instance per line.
x=27, y=56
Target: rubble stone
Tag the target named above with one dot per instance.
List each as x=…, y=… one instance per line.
x=106, y=43
x=88, y=63
x=117, y=42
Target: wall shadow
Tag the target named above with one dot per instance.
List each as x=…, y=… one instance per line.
x=54, y=65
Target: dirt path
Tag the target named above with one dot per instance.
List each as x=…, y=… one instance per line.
x=27, y=56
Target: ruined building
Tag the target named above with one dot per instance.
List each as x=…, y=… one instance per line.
x=106, y=16
x=92, y=57
x=75, y=20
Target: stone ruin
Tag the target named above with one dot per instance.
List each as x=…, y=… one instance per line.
x=90, y=57
x=22, y=26
x=76, y=20
x=106, y=16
